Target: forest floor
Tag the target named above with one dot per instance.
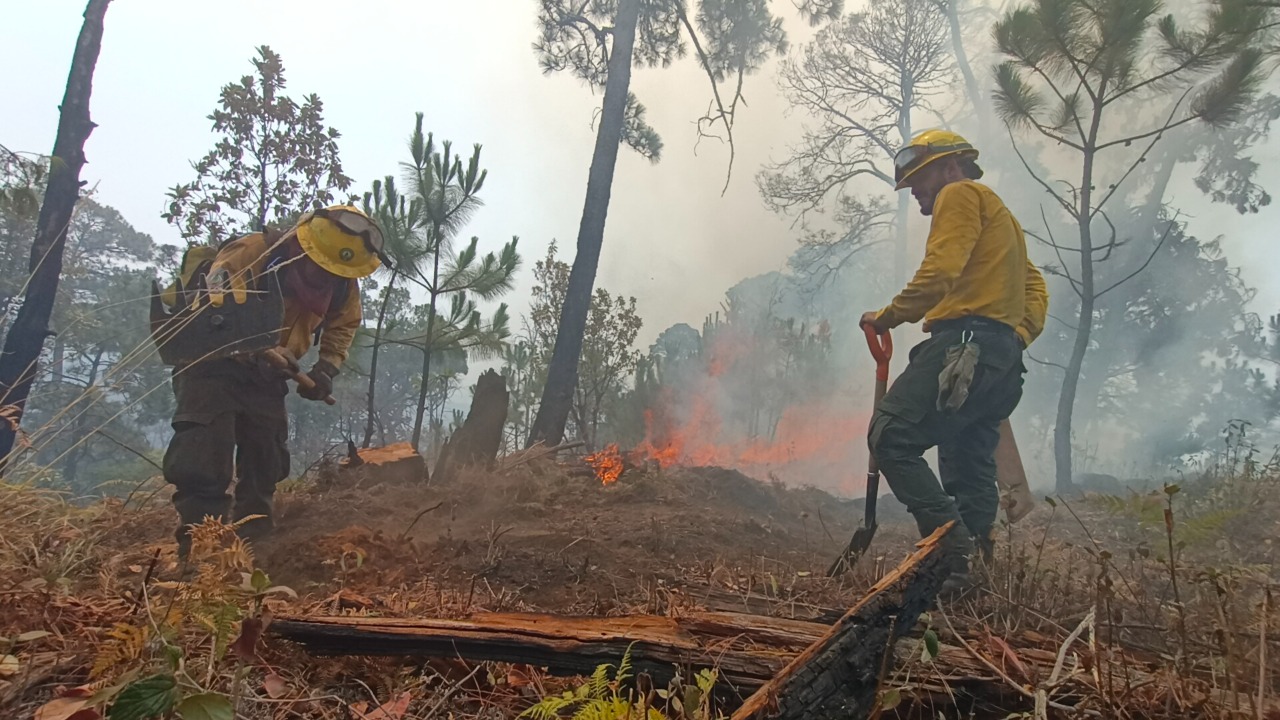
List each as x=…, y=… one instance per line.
x=1087, y=616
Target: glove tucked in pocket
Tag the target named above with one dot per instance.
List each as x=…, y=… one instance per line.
x=957, y=374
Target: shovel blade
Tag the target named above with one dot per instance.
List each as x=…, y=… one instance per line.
x=858, y=546
x=205, y=332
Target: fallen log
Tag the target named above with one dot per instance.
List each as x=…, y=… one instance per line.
x=747, y=650
x=834, y=671
x=838, y=676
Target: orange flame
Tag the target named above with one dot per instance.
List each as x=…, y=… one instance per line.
x=821, y=441
x=607, y=463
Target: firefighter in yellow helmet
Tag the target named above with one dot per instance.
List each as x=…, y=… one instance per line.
x=983, y=302
x=230, y=419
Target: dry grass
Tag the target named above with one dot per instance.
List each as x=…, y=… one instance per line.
x=1098, y=607
x=1150, y=605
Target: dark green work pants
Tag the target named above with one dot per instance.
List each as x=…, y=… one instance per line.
x=230, y=423
x=908, y=423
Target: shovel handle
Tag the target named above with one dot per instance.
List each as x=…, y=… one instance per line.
x=881, y=346
x=279, y=362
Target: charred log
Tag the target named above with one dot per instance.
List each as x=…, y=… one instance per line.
x=838, y=676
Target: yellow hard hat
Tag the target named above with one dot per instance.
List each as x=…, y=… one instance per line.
x=342, y=240
x=923, y=149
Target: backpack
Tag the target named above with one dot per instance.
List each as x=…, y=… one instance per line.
x=196, y=261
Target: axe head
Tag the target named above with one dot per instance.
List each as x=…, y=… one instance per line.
x=198, y=331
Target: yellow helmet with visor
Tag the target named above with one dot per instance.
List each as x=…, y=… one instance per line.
x=342, y=240
x=925, y=148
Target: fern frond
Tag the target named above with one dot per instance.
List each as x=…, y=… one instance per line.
x=624, y=668
x=598, y=684
x=549, y=708
x=124, y=645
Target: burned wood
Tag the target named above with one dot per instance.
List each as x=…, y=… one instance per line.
x=720, y=599
x=839, y=675
x=477, y=442
x=537, y=452
x=835, y=671
x=746, y=650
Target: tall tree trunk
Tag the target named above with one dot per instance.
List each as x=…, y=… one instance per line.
x=900, y=239
x=904, y=198
x=1084, y=328
x=1067, y=399
x=980, y=104
x=371, y=408
x=562, y=375
x=428, y=344
x=71, y=470
x=25, y=339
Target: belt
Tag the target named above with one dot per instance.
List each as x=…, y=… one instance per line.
x=972, y=323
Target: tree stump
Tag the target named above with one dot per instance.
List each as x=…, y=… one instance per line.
x=478, y=440
x=398, y=463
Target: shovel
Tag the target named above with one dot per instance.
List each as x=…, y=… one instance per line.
x=882, y=350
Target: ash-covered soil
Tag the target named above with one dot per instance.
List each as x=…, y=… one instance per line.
x=552, y=538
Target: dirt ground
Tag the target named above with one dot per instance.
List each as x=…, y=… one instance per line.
x=550, y=537
x=554, y=538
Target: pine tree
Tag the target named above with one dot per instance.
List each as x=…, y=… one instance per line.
x=447, y=192
x=599, y=41
x=1104, y=81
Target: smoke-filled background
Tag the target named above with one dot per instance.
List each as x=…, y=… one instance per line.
x=741, y=347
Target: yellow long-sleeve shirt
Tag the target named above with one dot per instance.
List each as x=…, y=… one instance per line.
x=975, y=263
x=245, y=259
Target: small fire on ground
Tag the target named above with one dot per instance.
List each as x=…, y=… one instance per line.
x=607, y=463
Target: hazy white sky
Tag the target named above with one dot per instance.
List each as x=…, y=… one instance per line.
x=672, y=240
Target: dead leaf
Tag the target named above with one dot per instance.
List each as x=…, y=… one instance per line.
x=9, y=666
x=33, y=584
x=1010, y=658
x=275, y=686
x=33, y=635
x=246, y=646
x=391, y=710
x=518, y=676
x=67, y=708
x=135, y=568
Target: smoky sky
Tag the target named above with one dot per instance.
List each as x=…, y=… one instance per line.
x=672, y=240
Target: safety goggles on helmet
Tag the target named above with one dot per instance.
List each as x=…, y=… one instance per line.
x=913, y=157
x=909, y=159
x=355, y=224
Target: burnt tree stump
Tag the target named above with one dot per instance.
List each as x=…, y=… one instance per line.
x=838, y=676
x=478, y=440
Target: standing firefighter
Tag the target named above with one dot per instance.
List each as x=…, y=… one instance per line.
x=983, y=303
x=230, y=419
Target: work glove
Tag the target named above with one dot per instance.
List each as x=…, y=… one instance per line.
x=322, y=374
x=957, y=375
x=272, y=368
x=219, y=282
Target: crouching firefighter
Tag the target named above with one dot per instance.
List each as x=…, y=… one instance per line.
x=983, y=303
x=261, y=297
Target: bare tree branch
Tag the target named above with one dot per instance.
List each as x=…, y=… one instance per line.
x=1150, y=257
